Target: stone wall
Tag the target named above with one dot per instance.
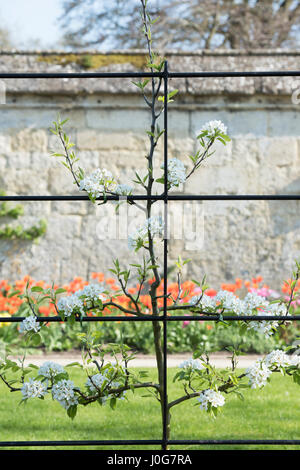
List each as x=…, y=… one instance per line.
x=107, y=123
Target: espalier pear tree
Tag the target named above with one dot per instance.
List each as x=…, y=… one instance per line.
x=109, y=381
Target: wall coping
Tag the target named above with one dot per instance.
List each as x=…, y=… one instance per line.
x=135, y=60
x=200, y=53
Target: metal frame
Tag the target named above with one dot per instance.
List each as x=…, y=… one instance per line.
x=165, y=197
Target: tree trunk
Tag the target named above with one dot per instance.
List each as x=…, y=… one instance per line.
x=160, y=370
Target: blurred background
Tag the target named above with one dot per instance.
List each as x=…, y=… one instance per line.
x=184, y=25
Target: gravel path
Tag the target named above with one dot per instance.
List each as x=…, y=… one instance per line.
x=218, y=359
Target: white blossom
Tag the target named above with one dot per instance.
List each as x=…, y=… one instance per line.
x=213, y=128
x=33, y=389
x=295, y=360
x=96, y=382
x=204, y=301
x=98, y=182
x=277, y=358
x=91, y=292
x=30, y=324
x=99, y=382
x=176, y=173
x=252, y=302
x=123, y=189
x=229, y=301
x=154, y=225
x=264, y=326
x=116, y=385
x=258, y=374
x=192, y=364
x=63, y=392
x=215, y=398
x=68, y=304
x=50, y=369
x=252, y=305
x=76, y=302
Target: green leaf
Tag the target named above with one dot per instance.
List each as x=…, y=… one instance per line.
x=15, y=292
x=72, y=410
x=113, y=403
x=73, y=364
x=60, y=291
x=36, y=339
x=160, y=180
x=225, y=137
x=37, y=289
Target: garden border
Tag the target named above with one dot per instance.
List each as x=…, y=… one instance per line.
x=164, y=318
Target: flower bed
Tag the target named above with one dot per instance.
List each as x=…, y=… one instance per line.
x=183, y=336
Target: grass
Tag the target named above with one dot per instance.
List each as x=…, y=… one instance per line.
x=272, y=413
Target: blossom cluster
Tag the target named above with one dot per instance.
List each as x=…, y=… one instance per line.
x=212, y=129
x=191, y=364
x=50, y=369
x=261, y=370
x=102, y=383
x=63, y=392
x=101, y=181
x=210, y=398
x=33, y=389
x=258, y=374
x=10, y=304
x=123, y=189
x=176, y=173
x=77, y=302
x=252, y=304
x=30, y=323
x=98, y=182
x=96, y=382
x=154, y=225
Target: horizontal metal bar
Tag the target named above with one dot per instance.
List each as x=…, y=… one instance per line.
x=37, y=75
x=80, y=443
x=224, y=74
x=84, y=319
x=233, y=197
x=144, y=442
x=235, y=442
x=214, y=318
x=233, y=318
x=207, y=74
x=160, y=197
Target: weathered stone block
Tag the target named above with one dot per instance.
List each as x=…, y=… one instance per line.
x=113, y=120
x=277, y=151
x=60, y=181
x=5, y=143
x=18, y=160
x=90, y=139
x=23, y=181
x=29, y=140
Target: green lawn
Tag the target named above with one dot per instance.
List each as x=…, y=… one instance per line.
x=273, y=413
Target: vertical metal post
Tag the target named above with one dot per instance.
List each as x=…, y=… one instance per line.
x=165, y=398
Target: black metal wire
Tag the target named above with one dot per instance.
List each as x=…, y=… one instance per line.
x=159, y=197
x=142, y=442
x=165, y=318
x=221, y=74
x=161, y=318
